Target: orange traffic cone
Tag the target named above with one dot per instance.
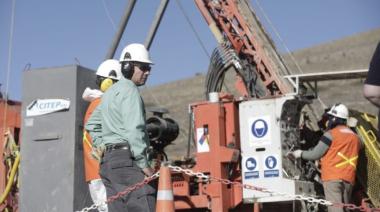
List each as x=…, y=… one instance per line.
x=256, y=207
x=165, y=200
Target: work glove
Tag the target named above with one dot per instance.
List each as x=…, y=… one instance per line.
x=97, y=152
x=148, y=171
x=295, y=154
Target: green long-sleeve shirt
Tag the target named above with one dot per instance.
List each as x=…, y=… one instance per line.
x=120, y=117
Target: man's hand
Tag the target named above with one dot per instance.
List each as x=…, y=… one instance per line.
x=295, y=154
x=148, y=171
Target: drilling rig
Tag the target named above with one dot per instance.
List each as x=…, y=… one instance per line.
x=242, y=143
x=241, y=140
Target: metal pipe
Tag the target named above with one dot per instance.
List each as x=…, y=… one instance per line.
x=156, y=23
x=210, y=21
x=119, y=33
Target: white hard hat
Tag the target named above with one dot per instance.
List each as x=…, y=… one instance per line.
x=110, y=69
x=339, y=110
x=135, y=52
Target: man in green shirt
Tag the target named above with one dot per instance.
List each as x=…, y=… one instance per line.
x=118, y=127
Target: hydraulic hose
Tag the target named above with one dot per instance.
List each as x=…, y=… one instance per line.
x=11, y=178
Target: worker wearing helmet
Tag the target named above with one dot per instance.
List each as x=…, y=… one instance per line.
x=338, y=150
x=108, y=73
x=118, y=128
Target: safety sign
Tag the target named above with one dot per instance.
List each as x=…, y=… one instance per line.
x=203, y=138
x=271, y=166
x=259, y=132
x=251, y=164
x=259, y=128
x=251, y=167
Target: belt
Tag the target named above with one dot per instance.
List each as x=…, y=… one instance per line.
x=111, y=147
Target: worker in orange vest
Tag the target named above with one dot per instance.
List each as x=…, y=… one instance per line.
x=338, y=150
x=107, y=74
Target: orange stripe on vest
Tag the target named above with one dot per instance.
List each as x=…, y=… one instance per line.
x=91, y=165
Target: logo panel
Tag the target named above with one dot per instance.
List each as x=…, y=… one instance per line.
x=259, y=130
x=271, y=166
x=251, y=164
x=251, y=168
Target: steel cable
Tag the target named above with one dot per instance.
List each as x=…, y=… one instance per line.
x=9, y=65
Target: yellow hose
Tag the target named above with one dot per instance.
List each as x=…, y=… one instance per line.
x=10, y=180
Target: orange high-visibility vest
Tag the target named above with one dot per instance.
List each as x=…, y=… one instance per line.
x=91, y=166
x=340, y=160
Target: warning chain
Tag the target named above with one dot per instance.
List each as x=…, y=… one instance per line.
x=207, y=178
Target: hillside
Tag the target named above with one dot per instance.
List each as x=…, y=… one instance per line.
x=349, y=53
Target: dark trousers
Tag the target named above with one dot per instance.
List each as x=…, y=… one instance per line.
x=337, y=191
x=118, y=171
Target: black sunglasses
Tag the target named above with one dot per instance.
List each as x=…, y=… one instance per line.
x=143, y=67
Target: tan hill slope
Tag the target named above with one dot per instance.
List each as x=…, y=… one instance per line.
x=349, y=53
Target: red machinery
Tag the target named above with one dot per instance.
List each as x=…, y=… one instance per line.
x=10, y=129
x=225, y=19
x=217, y=123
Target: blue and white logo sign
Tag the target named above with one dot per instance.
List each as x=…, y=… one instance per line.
x=45, y=106
x=270, y=162
x=259, y=128
x=251, y=168
x=271, y=166
x=251, y=164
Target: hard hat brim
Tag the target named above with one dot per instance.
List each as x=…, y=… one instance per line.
x=336, y=115
x=139, y=61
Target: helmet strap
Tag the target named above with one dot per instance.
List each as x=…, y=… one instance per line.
x=335, y=121
x=99, y=80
